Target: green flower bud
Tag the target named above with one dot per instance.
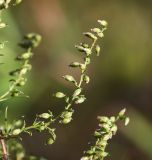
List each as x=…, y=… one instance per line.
x=74, y=64
x=23, y=71
x=112, y=119
x=90, y=35
x=45, y=115
x=69, y=78
x=66, y=120
x=114, y=129
x=77, y=92
x=106, y=127
x=26, y=55
x=106, y=137
x=18, y=123
x=127, y=120
x=96, y=30
x=101, y=35
x=50, y=141
x=87, y=60
x=67, y=114
x=102, y=143
x=80, y=100
x=80, y=48
x=103, y=119
x=85, y=158
x=86, y=79
x=60, y=95
x=97, y=134
x=97, y=50
x=21, y=82
x=122, y=113
x=14, y=93
x=90, y=152
x=103, y=23
x=16, y=132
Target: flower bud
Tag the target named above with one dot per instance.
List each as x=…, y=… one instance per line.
x=90, y=35
x=60, y=95
x=16, y=132
x=103, y=23
x=74, y=64
x=127, y=120
x=66, y=120
x=97, y=50
x=69, y=78
x=45, y=115
x=50, y=141
x=77, y=92
x=122, y=113
x=86, y=79
x=80, y=100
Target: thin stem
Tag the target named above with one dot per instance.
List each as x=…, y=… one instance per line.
x=4, y=148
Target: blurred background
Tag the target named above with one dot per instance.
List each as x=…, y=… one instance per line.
x=120, y=77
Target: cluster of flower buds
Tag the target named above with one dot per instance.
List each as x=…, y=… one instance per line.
x=41, y=123
x=29, y=42
x=77, y=97
x=107, y=128
x=66, y=116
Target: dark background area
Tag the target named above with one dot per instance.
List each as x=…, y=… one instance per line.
x=120, y=77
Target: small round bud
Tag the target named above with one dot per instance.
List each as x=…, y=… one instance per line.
x=77, y=92
x=66, y=120
x=45, y=115
x=103, y=23
x=86, y=79
x=60, y=95
x=16, y=132
x=50, y=141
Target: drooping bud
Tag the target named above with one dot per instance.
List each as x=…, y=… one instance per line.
x=60, y=95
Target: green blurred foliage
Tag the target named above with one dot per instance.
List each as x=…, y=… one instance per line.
x=120, y=77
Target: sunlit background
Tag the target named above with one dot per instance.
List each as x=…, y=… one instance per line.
x=120, y=77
